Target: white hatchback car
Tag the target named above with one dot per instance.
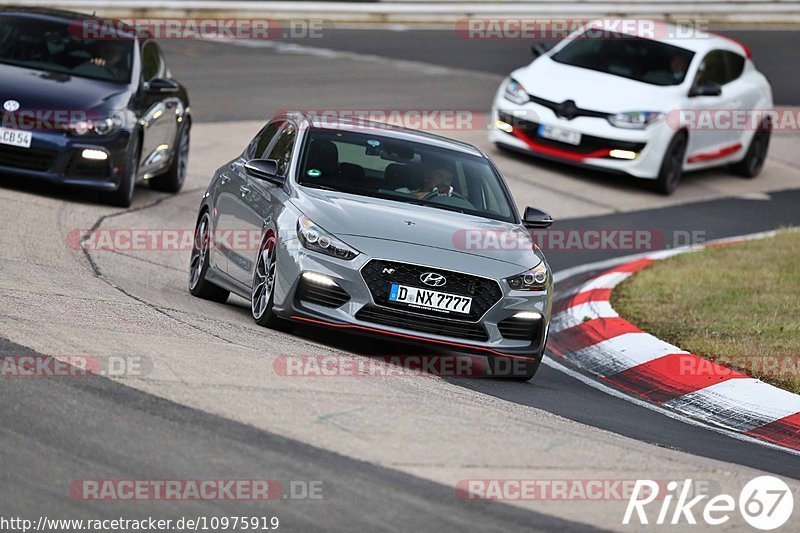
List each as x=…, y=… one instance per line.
x=647, y=106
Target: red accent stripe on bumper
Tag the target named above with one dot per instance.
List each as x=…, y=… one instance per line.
x=556, y=152
x=408, y=337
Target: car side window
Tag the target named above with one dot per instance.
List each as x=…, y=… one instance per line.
x=713, y=69
x=282, y=149
x=261, y=142
x=735, y=63
x=152, y=61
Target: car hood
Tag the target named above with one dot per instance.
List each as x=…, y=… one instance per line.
x=38, y=90
x=355, y=218
x=595, y=91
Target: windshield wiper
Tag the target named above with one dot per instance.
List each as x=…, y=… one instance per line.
x=446, y=207
x=318, y=186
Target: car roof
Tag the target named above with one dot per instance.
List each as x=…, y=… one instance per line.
x=325, y=122
x=690, y=38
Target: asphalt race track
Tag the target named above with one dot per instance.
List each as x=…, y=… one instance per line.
x=388, y=451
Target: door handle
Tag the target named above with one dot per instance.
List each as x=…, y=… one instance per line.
x=244, y=190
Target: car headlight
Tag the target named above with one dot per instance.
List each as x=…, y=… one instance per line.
x=97, y=126
x=515, y=92
x=315, y=238
x=635, y=120
x=534, y=279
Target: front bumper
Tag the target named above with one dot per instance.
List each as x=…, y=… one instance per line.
x=57, y=157
x=598, y=139
x=361, y=313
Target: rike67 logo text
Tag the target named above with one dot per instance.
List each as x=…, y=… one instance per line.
x=766, y=503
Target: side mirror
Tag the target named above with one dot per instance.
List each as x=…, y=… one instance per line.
x=161, y=86
x=708, y=88
x=264, y=169
x=538, y=49
x=536, y=219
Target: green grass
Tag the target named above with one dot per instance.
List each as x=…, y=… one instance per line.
x=738, y=305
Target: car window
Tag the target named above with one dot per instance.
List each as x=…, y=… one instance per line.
x=627, y=56
x=261, y=142
x=282, y=149
x=54, y=46
x=152, y=64
x=712, y=69
x=735, y=64
x=402, y=170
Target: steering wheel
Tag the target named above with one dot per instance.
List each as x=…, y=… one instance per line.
x=435, y=194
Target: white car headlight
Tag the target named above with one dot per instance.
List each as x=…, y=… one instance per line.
x=635, y=120
x=317, y=239
x=515, y=92
x=534, y=279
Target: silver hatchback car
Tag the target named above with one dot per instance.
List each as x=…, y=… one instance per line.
x=380, y=230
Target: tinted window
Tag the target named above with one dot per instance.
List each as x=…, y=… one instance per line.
x=627, y=56
x=735, y=65
x=403, y=171
x=152, y=63
x=258, y=146
x=53, y=46
x=713, y=69
x=282, y=150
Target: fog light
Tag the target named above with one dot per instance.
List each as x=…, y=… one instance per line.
x=94, y=155
x=623, y=154
x=319, y=279
x=504, y=126
x=528, y=315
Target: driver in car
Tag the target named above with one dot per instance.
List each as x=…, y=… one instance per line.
x=109, y=56
x=438, y=180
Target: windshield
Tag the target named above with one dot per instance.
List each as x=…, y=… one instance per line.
x=627, y=56
x=57, y=47
x=403, y=171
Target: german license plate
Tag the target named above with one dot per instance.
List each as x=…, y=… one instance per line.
x=428, y=299
x=21, y=139
x=559, y=134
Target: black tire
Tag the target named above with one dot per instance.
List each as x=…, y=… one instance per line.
x=513, y=369
x=173, y=179
x=669, y=175
x=753, y=161
x=123, y=196
x=262, y=289
x=198, y=264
